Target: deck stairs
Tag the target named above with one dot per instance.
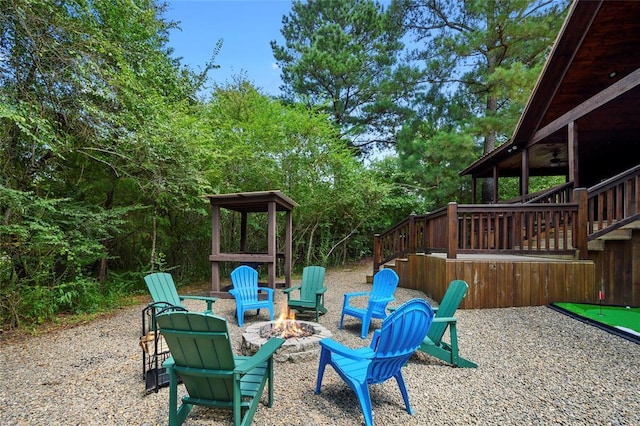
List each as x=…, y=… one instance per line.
x=623, y=233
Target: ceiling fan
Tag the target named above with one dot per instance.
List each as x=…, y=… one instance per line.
x=555, y=160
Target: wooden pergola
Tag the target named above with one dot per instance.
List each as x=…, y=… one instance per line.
x=270, y=202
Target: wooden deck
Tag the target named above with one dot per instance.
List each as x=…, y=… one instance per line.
x=528, y=254
x=500, y=281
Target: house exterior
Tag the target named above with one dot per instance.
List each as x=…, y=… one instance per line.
x=571, y=242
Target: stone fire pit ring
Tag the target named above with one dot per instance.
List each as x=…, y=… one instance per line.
x=294, y=349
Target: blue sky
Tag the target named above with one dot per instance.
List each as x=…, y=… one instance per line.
x=246, y=28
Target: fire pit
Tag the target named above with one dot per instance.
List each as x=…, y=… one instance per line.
x=302, y=339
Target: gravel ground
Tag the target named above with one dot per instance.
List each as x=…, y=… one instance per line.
x=536, y=366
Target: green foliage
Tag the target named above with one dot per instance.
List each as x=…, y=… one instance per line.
x=510, y=187
x=260, y=144
x=401, y=197
x=488, y=53
x=48, y=250
x=94, y=123
x=106, y=150
x=432, y=158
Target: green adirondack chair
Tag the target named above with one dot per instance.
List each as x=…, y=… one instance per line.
x=311, y=292
x=202, y=357
x=163, y=289
x=433, y=344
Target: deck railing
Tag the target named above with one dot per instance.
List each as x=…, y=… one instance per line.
x=557, y=221
x=521, y=229
x=559, y=194
x=486, y=228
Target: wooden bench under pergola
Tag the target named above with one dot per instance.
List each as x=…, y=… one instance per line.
x=270, y=202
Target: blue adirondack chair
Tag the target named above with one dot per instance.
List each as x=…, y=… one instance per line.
x=385, y=282
x=311, y=292
x=163, y=291
x=247, y=292
x=391, y=347
x=202, y=358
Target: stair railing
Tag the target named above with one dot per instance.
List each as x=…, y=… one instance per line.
x=614, y=203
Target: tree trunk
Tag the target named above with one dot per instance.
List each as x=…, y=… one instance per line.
x=102, y=271
x=154, y=236
x=310, y=246
x=489, y=145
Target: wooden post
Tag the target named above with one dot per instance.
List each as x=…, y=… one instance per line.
x=474, y=188
x=452, y=231
x=412, y=234
x=524, y=183
x=572, y=150
x=288, y=244
x=271, y=244
x=215, y=248
x=243, y=232
x=580, y=195
x=495, y=185
x=377, y=253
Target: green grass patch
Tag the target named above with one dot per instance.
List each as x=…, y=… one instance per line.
x=615, y=319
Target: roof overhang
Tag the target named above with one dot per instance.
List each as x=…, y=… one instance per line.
x=591, y=79
x=253, y=202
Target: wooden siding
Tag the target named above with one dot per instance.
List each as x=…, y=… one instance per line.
x=617, y=270
x=496, y=282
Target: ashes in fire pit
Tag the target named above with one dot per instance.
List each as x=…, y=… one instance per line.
x=302, y=339
x=287, y=329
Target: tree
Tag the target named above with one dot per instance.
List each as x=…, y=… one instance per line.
x=343, y=55
x=483, y=56
x=432, y=157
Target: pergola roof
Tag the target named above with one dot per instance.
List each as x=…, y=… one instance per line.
x=591, y=78
x=250, y=202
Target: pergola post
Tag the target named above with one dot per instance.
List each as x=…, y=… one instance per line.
x=288, y=246
x=271, y=244
x=243, y=232
x=215, y=247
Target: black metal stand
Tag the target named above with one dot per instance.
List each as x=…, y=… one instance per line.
x=154, y=348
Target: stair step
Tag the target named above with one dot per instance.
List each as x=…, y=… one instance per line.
x=596, y=245
x=617, y=235
x=632, y=225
